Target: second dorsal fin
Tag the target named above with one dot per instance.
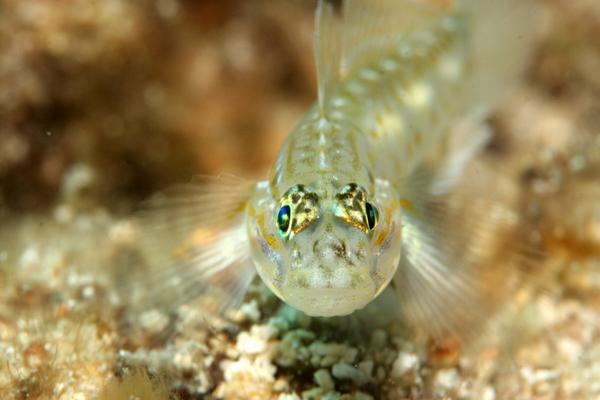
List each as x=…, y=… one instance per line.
x=351, y=33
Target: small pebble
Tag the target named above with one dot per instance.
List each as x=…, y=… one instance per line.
x=348, y=372
x=312, y=394
x=488, y=393
x=288, y=396
x=362, y=396
x=378, y=339
x=281, y=385
x=323, y=379
x=446, y=380
x=367, y=367
x=250, y=310
x=250, y=344
x=404, y=364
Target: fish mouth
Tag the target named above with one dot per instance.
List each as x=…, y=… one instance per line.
x=329, y=302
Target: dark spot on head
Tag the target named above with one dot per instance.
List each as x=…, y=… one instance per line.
x=339, y=249
x=315, y=244
x=312, y=196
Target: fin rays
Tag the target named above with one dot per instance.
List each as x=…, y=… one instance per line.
x=438, y=293
x=193, y=243
x=463, y=249
x=349, y=39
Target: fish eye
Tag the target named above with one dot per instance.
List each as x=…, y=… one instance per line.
x=299, y=208
x=284, y=219
x=353, y=208
x=372, y=215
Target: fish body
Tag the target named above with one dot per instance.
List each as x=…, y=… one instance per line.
x=381, y=118
x=347, y=208
x=370, y=131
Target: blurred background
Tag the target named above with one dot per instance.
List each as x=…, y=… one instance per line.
x=104, y=102
x=152, y=92
x=146, y=93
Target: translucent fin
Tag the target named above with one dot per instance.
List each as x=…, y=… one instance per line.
x=461, y=255
x=372, y=28
x=442, y=291
x=349, y=36
x=328, y=48
x=467, y=138
x=192, y=243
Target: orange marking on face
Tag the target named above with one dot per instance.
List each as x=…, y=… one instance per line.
x=270, y=239
x=388, y=216
x=406, y=204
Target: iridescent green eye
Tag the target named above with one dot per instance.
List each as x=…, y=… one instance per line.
x=284, y=219
x=372, y=215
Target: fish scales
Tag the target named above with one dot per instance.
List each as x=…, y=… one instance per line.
x=319, y=150
x=384, y=116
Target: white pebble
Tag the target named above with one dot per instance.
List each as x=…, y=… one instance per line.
x=446, y=379
x=404, y=364
x=30, y=256
x=250, y=310
x=250, y=344
x=288, y=396
x=77, y=178
x=489, y=393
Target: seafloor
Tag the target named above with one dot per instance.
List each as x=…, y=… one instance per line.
x=103, y=102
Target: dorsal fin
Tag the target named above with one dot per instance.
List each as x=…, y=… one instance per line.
x=328, y=48
x=372, y=28
x=351, y=33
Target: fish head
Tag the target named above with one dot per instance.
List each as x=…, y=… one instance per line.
x=326, y=252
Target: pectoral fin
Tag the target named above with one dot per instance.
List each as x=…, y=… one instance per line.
x=192, y=244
